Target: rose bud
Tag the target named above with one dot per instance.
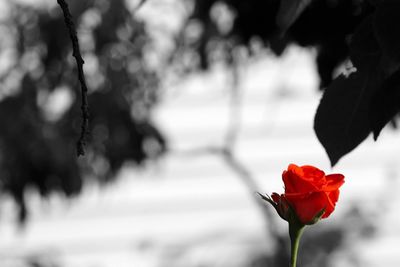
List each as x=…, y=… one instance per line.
x=309, y=194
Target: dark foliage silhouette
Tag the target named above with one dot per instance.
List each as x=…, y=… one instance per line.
x=367, y=98
x=38, y=147
x=123, y=89
x=359, y=32
x=325, y=25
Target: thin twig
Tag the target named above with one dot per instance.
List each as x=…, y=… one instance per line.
x=244, y=174
x=141, y=3
x=81, y=77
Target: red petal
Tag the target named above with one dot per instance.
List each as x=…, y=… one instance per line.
x=333, y=198
x=307, y=206
x=295, y=182
x=314, y=175
x=333, y=182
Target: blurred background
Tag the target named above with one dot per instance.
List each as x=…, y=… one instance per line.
x=195, y=106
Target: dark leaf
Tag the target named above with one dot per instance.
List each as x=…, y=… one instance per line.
x=386, y=27
x=329, y=56
x=341, y=122
x=363, y=45
x=385, y=104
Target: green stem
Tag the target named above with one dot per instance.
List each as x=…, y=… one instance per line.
x=295, y=232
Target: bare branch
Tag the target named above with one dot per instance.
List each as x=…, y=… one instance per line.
x=227, y=153
x=81, y=76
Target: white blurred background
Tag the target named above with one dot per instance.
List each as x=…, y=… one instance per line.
x=192, y=207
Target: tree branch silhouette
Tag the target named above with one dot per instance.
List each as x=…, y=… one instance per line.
x=227, y=153
x=139, y=5
x=81, y=77
x=228, y=150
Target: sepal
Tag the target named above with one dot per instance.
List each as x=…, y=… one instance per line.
x=317, y=217
x=279, y=203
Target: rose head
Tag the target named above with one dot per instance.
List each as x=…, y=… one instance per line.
x=308, y=192
x=309, y=196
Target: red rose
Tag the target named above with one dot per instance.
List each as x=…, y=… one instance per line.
x=308, y=191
